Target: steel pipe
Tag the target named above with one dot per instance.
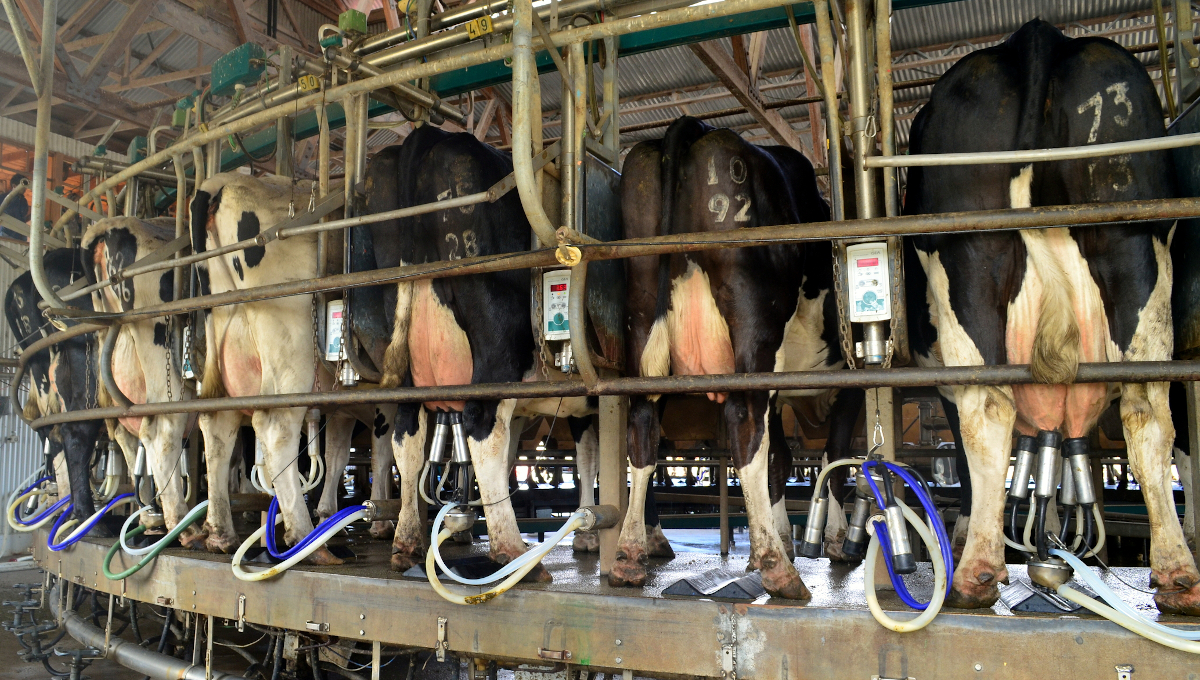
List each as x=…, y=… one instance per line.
x=1134, y=372
x=524, y=70
x=18, y=31
x=98, y=166
x=577, y=313
x=985, y=220
x=433, y=67
x=41, y=157
x=833, y=120
x=134, y=657
x=1035, y=155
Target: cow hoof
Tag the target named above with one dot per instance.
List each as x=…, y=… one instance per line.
x=323, y=558
x=1178, y=592
x=629, y=571
x=406, y=557
x=976, y=592
x=100, y=531
x=833, y=550
x=381, y=531
x=780, y=578
x=586, y=542
x=195, y=541
x=216, y=543
x=657, y=544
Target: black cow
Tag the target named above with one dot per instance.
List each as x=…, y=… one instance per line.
x=1050, y=298
x=739, y=310
x=452, y=331
x=64, y=377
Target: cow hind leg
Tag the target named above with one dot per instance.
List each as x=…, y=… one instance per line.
x=381, y=465
x=339, y=428
x=408, y=446
x=164, y=454
x=958, y=540
x=746, y=415
x=489, y=455
x=657, y=544
x=780, y=467
x=629, y=569
x=987, y=415
x=1183, y=465
x=1149, y=434
x=587, y=451
x=78, y=441
x=220, y=432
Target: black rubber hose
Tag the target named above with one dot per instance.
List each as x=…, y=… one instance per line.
x=1012, y=521
x=278, y=660
x=889, y=493
x=1068, y=510
x=54, y=671
x=1089, y=523
x=312, y=663
x=1040, y=529
x=133, y=621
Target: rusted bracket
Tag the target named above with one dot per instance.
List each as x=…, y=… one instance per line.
x=442, y=646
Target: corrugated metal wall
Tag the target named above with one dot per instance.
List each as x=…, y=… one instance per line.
x=20, y=451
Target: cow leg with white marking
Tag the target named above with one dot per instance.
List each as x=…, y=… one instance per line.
x=1183, y=466
x=339, y=428
x=629, y=569
x=220, y=432
x=381, y=464
x=587, y=454
x=408, y=446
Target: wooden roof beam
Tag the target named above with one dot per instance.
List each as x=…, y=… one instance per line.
x=13, y=69
x=722, y=65
x=114, y=46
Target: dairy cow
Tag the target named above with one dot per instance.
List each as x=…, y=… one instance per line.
x=62, y=378
x=1049, y=298
x=765, y=308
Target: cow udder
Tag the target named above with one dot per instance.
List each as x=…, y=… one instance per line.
x=439, y=351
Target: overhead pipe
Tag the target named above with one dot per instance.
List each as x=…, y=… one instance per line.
x=961, y=222
x=524, y=69
x=1035, y=155
x=833, y=120
x=97, y=166
x=18, y=31
x=1105, y=372
x=41, y=156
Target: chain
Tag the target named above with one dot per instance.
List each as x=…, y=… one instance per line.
x=845, y=334
x=896, y=249
x=316, y=346
x=170, y=322
x=538, y=332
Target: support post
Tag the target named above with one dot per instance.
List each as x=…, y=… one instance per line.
x=1193, y=408
x=611, y=126
x=41, y=152
x=284, y=161
x=1187, y=53
x=723, y=488
x=614, y=463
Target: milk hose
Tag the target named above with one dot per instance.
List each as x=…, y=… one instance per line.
x=320, y=530
x=85, y=528
x=20, y=524
x=195, y=514
x=1121, y=613
x=941, y=577
x=515, y=570
x=938, y=529
x=318, y=538
x=126, y=533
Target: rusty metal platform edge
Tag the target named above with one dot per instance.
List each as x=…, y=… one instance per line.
x=646, y=635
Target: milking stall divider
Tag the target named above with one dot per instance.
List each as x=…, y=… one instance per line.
x=613, y=633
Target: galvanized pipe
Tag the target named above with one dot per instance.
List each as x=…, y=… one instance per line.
x=860, y=111
x=18, y=31
x=106, y=363
x=415, y=95
x=960, y=222
x=1116, y=372
x=577, y=313
x=96, y=166
x=524, y=71
x=13, y=192
x=887, y=123
x=1035, y=155
x=135, y=658
x=435, y=66
x=833, y=119
x=41, y=156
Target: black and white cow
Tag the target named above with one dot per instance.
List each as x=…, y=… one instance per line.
x=454, y=331
x=142, y=364
x=267, y=347
x=768, y=308
x=63, y=377
x=1050, y=298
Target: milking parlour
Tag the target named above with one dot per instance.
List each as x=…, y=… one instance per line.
x=564, y=338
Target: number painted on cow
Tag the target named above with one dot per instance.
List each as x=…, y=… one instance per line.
x=1096, y=102
x=712, y=171
x=743, y=213
x=719, y=204
x=470, y=243
x=737, y=170
x=452, y=239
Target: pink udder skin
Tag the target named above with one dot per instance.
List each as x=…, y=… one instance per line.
x=439, y=353
x=133, y=385
x=1072, y=408
x=699, y=337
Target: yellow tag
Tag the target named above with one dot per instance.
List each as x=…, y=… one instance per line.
x=309, y=83
x=203, y=127
x=479, y=27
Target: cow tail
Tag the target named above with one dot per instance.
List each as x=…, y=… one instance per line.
x=395, y=358
x=31, y=412
x=1056, y=342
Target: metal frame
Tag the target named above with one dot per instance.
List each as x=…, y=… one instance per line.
x=742, y=630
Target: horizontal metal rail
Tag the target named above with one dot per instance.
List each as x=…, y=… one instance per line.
x=1143, y=371
x=1034, y=155
x=959, y=222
